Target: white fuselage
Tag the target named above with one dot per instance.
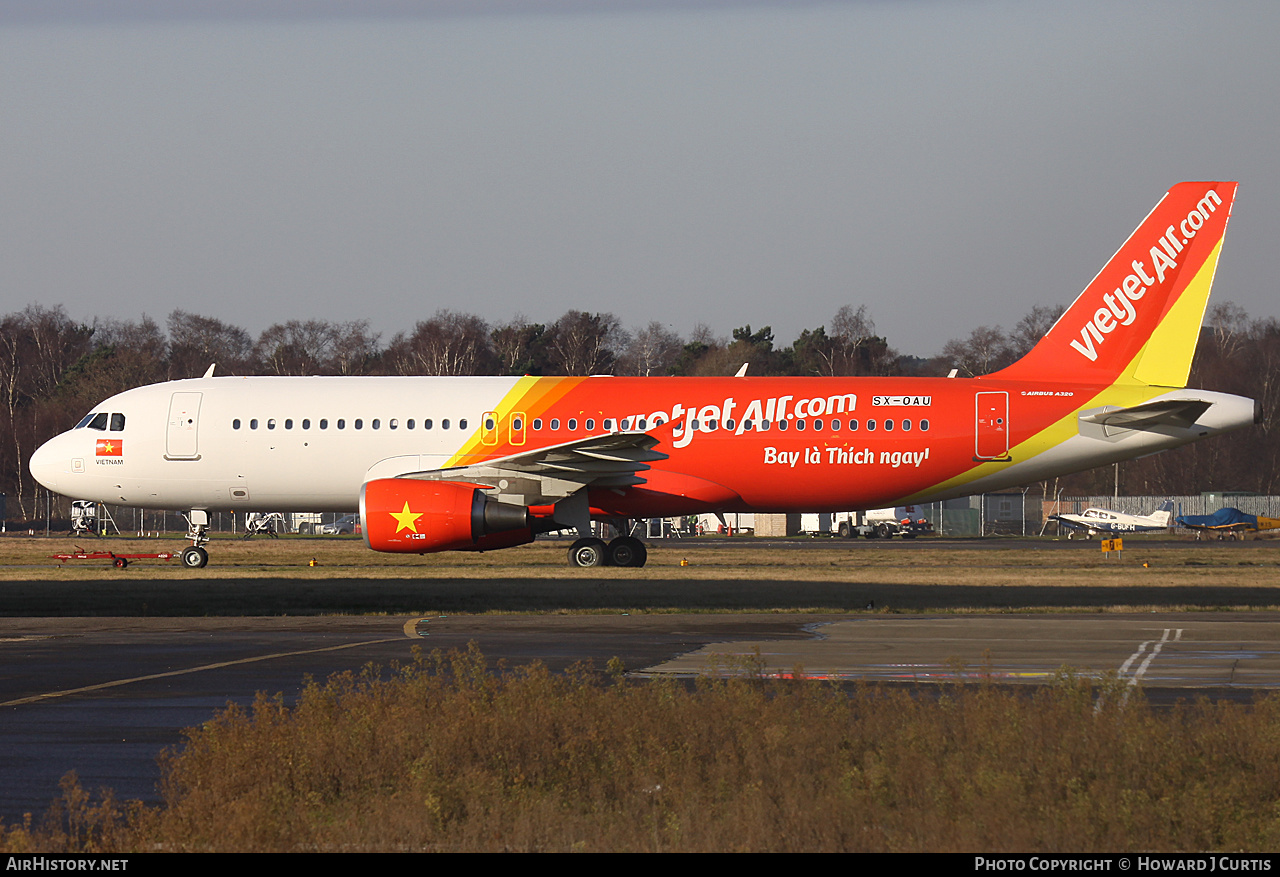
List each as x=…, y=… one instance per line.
x=262, y=443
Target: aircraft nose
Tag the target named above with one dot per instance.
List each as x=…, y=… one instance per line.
x=47, y=464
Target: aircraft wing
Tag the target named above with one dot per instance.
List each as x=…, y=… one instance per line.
x=1067, y=521
x=1181, y=413
x=544, y=475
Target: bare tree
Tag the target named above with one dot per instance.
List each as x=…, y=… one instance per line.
x=1032, y=327
x=654, y=350
x=450, y=343
x=987, y=349
x=37, y=347
x=197, y=342
x=580, y=343
x=355, y=349
x=519, y=347
x=296, y=347
x=1230, y=325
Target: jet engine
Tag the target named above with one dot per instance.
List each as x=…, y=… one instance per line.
x=409, y=516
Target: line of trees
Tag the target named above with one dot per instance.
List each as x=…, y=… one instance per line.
x=54, y=369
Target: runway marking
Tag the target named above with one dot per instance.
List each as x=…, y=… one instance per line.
x=1156, y=647
x=36, y=698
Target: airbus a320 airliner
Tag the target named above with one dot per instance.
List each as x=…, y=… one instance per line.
x=478, y=463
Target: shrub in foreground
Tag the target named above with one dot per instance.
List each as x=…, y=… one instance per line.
x=450, y=754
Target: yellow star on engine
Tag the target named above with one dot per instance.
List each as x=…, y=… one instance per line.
x=406, y=519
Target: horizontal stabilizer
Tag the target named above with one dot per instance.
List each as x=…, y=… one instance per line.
x=1181, y=413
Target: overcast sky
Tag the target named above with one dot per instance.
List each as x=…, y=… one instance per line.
x=947, y=164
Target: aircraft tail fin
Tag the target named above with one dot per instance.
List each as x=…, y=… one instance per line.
x=1139, y=320
x=1162, y=515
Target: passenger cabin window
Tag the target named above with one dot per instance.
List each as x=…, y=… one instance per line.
x=324, y=423
x=924, y=424
x=462, y=424
x=235, y=424
x=444, y=424
x=253, y=424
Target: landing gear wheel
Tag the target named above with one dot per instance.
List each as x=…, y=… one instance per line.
x=588, y=552
x=120, y=562
x=627, y=551
x=194, y=557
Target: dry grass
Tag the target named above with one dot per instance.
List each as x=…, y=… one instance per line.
x=273, y=577
x=952, y=562
x=448, y=755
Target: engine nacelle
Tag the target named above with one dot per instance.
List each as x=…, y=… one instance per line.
x=409, y=516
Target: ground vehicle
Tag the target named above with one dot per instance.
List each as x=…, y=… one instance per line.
x=344, y=526
x=904, y=521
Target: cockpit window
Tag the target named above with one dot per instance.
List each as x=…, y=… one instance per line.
x=98, y=421
x=84, y=421
x=117, y=422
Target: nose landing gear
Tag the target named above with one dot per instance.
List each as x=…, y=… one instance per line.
x=196, y=556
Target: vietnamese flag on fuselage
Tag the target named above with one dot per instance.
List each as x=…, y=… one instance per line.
x=109, y=448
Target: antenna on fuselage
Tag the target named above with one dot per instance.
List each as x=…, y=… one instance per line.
x=209, y=373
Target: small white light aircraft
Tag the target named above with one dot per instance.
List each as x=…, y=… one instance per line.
x=1105, y=522
x=477, y=463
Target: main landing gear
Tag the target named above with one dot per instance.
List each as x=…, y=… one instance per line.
x=622, y=551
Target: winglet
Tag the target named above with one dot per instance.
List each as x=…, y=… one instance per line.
x=1139, y=320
